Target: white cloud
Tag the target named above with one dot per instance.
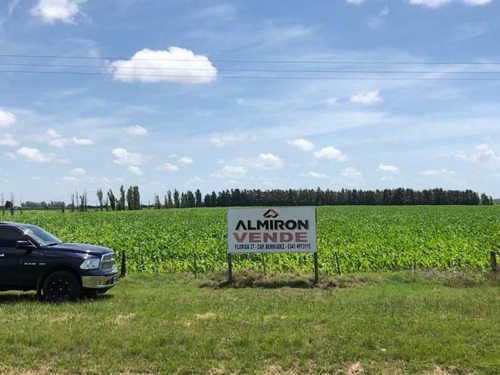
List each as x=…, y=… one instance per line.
x=482, y=154
x=185, y=160
x=219, y=140
x=229, y=171
x=367, y=98
x=8, y=140
x=124, y=157
x=135, y=170
x=168, y=167
x=330, y=153
x=136, y=130
x=34, y=155
x=434, y=4
x=82, y=141
x=54, y=139
x=314, y=175
x=302, y=144
x=70, y=179
x=477, y=2
x=77, y=172
x=430, y=3
x=195, y=180
x=437, y=173
x=51, y=11
x=175, y=65
x=268, y=162
x=383, y=168
x=355, y=2
x=7, y=119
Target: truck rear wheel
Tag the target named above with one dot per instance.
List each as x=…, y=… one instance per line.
x=61, y=286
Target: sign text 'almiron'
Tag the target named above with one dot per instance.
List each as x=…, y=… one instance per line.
x=272, y=230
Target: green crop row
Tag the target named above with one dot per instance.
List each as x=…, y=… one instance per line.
x=361, y=238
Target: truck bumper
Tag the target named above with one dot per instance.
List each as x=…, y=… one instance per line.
x=99, y=282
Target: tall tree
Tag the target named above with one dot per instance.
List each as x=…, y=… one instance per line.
x=112, y=200
x=136, y=198
x=121, y=202
x=177, y=202
x=100, y=196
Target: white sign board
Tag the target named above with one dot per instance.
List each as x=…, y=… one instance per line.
x=272, y=230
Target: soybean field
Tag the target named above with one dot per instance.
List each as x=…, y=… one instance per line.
x=350, y=238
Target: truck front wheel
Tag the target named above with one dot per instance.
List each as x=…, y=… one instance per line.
x=61, y=286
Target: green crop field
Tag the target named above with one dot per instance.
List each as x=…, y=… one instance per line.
x=363, y=238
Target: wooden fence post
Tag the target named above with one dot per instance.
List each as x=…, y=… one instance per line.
x=123, y=268
x=494, y=264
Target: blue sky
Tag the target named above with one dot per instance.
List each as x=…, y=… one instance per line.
x=166, y=113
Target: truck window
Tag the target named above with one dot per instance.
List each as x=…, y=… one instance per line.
x=9, y=236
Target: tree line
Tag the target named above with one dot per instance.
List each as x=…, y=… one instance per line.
x=130, y=199
x=319, y=197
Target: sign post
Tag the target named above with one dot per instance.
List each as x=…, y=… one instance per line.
x=272, y=230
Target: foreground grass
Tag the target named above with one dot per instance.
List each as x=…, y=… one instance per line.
x=172, y=324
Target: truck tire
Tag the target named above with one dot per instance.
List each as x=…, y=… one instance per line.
x=61, y=286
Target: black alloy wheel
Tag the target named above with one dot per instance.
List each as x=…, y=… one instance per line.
x=61, y=286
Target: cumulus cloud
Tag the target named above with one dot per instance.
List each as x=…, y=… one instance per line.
x=51, y=11
x=77, y=172
x=185, y=160
x=229, y=171
x=8, y=140
x=35, y=156
x=54, y=139
x=434, y=4
x=383, y=168
x=268, y=162
x=136, y=130
x=175, y=65
x=366, y=98
x=124, y=157
x=168, y=167
x=438, y=173
x=302, y=144
x=219, y=140
x=355, y=2
x=7, y=119
x=71, y=179
x=135, y=170
x=330, y=153
x=482, y=154
x=314, y=175
x=82, y=141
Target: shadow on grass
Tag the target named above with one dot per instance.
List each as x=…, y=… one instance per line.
x=296, y=280
x=17, y=298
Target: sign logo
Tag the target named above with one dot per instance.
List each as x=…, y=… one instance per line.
x=271, y=214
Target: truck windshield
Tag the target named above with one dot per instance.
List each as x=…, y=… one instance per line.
x=42, y=237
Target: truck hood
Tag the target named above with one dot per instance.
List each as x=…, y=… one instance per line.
x=80, y=248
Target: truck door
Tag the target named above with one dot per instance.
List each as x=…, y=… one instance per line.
x=10, y=258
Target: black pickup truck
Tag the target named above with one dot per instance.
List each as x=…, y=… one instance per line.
x=33, y=259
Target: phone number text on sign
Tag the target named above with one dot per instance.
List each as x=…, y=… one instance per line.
x=272, y=230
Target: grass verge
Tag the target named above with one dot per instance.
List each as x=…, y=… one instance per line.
x=390, y=323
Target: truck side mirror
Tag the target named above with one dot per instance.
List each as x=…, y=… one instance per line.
x=25, y=245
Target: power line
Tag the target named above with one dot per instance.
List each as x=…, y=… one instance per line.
x=261, y=61
x=257, y=77
x=253, y=70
